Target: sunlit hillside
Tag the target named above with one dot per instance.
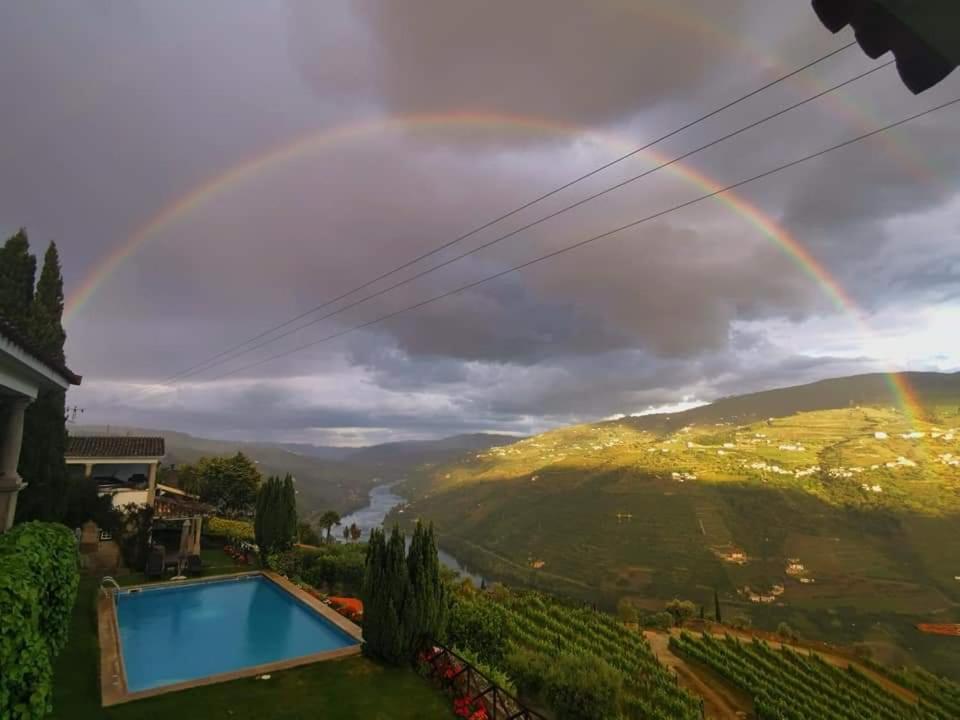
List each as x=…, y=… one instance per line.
x=842, y=521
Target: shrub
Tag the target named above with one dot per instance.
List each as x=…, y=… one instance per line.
x=288, y=564
x=528, y=669
x=740, y=622
x=135, y=536
x=627, y=610
x=681, y=610
x=786, y=632
x=38, y=586
x=581, y=687
x=234, y=529
x=493, y=674
x=658, y=621
x=480, y=626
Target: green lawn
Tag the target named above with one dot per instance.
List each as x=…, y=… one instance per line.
x=353, y=688
x=215, y=562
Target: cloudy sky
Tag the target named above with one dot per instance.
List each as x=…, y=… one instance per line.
x=259, y=159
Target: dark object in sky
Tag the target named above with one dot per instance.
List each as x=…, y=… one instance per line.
x=924, y=35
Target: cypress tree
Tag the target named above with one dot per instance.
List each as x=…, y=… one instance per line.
x=18, y=270
x=397, y=589
x=287, y=534
x=373, y=596
x=716, y=606
x=425, y=611
x=46, y=310
x=42, y=463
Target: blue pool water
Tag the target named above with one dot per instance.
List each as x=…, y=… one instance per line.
x=173, y=634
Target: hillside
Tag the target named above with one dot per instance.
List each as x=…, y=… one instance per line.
x=841, y=521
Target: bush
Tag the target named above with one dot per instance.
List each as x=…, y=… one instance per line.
x=740, y=622
x=580, y=687
x=135, y=536
x=289, y=563
x=232, y=529
x=528, y=669
x=786, y=632
x=38, y=586
x=493, y=674
x=681, y=610
x=658, y=621
x=480, y=626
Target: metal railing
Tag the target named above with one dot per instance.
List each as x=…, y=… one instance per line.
x=457, y=674
x=106, y=582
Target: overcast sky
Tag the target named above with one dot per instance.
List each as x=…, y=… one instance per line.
x=116, y=111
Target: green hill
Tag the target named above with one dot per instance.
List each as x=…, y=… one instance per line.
x=822, y=505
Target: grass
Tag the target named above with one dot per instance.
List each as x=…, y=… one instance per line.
x=215, y=562
x=337, y=690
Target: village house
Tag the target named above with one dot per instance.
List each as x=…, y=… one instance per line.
x=124, y=467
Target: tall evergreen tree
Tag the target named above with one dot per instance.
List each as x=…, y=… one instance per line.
x=46, y=310
x=42, y=463
x=18, y=270
x=425, y=614
x=373, y=596
x=287, y=533
x=716, y=606
x=275, y=519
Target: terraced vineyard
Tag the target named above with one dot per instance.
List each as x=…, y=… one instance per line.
x=787, y=685
x=939, y=695
x=541, y=624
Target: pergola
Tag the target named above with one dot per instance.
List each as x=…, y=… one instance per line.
x=24, y=372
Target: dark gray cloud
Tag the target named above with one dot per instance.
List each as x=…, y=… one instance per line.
x=118, y=112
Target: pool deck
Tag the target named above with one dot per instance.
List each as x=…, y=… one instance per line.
x=113, y=678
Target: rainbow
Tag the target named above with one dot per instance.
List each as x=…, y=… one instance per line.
x=317, y=141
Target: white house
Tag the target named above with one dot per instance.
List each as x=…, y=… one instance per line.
x=23, y=374
x=125, y=467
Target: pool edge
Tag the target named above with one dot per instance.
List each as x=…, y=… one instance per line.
x=113, y=680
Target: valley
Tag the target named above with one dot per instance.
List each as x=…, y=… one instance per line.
x=840, y=521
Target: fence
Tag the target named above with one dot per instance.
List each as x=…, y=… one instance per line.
x=456, y=674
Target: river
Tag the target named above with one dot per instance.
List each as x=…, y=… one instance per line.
x=382, y=501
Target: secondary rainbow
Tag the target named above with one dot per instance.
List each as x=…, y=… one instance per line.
x=317, y=141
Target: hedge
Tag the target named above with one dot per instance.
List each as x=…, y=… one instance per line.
x=38, y=586
x=329, y=565
x=221, y=527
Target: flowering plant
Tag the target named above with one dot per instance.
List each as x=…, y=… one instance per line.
x=464, y=707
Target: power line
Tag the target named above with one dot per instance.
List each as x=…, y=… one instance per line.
x=383, y=291
x=206, y=364
x=589, y=240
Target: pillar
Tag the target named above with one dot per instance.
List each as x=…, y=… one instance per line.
x=11, y=437
x=152, y=483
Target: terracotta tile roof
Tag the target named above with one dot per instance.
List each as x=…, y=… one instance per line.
x=16, y=337
x=109, y=446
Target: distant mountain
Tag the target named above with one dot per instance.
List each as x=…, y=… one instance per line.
x=417, y=452
x=323, y=452
x=933, y=390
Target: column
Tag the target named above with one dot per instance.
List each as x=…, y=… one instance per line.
x=11, y=437
x=152, y=483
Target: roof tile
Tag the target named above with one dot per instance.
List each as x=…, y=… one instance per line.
x=107, y=446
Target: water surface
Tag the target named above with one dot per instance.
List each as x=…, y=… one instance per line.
x=169, y=635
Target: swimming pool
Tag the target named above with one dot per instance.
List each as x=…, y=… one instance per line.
x=171, y=635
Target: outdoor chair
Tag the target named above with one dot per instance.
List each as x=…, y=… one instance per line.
x=155, y=562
